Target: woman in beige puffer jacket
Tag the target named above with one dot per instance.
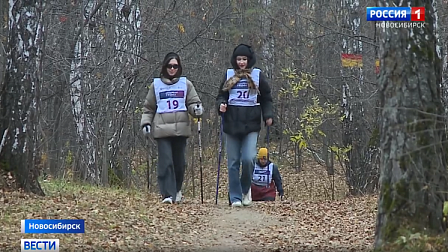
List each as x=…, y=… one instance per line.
x=165, y=113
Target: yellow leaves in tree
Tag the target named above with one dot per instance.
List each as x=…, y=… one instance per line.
x=445, y=210
x=138, y=110
x=181, y=28
x=195, y=120
x=102, y=30
x=313, y=115
x=44, y=157
x=190, y=117
x=300, y=139
x=311, y=118
x=3, y=37
x=341, y=152
x=292, y=22
x=5, y=20
x=297, y=82
x=320, y=132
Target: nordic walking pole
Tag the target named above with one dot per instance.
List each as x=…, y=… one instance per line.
x=219, y=158
x=267, y=147
x=267, y=140
x=200, y=157
x=148, y=176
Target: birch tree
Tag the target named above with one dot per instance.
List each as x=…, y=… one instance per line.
x=413, y=175
x=355, y=136
x=3, y=37
x=19, y=94
x=127, y=45
x=268, y=46
x=56, y=123
x=80, y=86
x=443, y=41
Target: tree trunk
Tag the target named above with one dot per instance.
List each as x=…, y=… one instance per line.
x=55, y=47
x=413, y=140
x=81, y=87
x=19, y=95
x=3, y=37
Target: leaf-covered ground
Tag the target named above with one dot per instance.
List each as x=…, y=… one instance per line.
x=117, y=220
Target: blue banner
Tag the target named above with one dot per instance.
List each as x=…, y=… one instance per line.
x=52, y=226
x=388, y=13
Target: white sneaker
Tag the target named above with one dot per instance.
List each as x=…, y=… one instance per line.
x=178, y=196
x=236, y=204
x=247, y=198
x=168, y=200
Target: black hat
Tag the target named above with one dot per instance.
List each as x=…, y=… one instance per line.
x=243, y=50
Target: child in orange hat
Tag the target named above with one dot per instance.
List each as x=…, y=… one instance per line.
x=266, y=179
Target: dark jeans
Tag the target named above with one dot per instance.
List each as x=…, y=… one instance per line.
x=171, y=165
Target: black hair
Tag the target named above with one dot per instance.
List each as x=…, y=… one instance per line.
x=166, y=61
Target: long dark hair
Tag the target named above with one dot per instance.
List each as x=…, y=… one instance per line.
x=166, y=60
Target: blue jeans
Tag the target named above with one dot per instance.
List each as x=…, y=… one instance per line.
x=240, y=150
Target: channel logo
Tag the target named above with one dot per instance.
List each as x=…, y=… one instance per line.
x=395, y=13
x=39, y=244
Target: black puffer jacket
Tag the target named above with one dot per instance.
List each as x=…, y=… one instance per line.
x=238, y=120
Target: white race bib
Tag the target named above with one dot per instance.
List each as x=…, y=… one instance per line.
x=171, y=98
x=240, y=94
x=262, y=176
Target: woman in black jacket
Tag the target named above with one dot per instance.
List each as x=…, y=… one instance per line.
x=244, y=98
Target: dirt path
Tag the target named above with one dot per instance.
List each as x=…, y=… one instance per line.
x=117, y=221
x=231, y=229
x=284, y=226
